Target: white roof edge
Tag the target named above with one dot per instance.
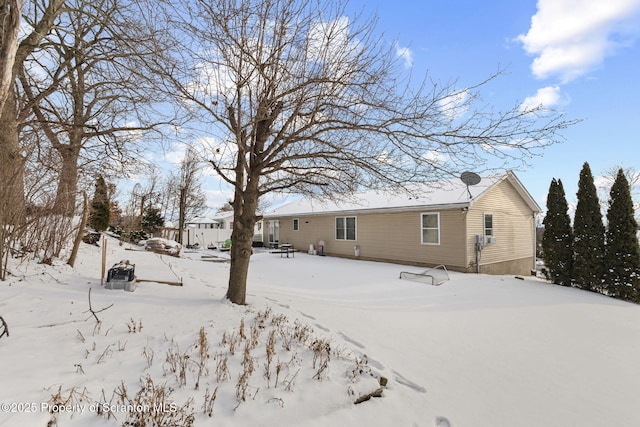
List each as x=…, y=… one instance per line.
x=201, y=220
x=371, y=210
x=520, y=188
x=524, y=193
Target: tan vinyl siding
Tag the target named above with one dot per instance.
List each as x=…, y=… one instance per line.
x=395, y=234
x=383, y=236
x=512, y=225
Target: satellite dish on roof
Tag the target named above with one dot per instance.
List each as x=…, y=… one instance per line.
x=470, y=178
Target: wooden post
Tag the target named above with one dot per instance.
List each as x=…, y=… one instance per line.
x=83, y=224
x=104, y=260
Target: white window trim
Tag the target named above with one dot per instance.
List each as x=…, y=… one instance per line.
x=484, y=224
x=296, y=224
x=422, y=242
x=355, y=218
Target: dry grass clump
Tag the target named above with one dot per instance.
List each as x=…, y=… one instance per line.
x=266, y=357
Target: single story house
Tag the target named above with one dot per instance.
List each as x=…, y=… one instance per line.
x=487, y=228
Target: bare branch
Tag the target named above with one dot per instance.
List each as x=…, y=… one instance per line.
x=302, y=97
x=94, y=312
x=4, y=328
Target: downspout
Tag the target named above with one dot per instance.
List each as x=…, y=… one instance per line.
x=478, y=252
x=534, y=267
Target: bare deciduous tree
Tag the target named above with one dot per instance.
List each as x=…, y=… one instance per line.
x=10, y=11
x=87, y=94
x=38, y=19
x=142, y=197
x=609, y=177
x=191, y=198
x=304, y=98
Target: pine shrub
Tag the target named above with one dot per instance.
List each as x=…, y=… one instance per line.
x=588, y=235
x=99, y=214
x=622, y=254
x=557, y=240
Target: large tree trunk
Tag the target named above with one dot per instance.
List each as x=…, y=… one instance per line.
x=9, y=27
x=65, y=203
x=11, y=165
x=242, y=238
x=244, y=219
x=12, y=204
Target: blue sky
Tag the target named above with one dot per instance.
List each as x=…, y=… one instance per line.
x=579, y=56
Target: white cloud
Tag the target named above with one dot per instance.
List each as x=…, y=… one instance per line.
x=331, y=42
x=405, y=54
x=545, y=97
x=569, y=38
x=432, y=156
x=602, y=182
x=217, y=198
x=174, y=157
x=455, y=105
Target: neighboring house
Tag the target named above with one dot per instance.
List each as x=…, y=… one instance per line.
x=208, y=231
x=487, y=228
x=169, y=231
x=212, y=231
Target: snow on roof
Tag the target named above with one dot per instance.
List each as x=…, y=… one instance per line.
x=213, y=219
x=222, y=215
x=202, y=220
x=446, y=193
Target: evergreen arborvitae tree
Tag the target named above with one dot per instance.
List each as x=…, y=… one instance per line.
x=100, y=206
x=151, y=220
x=588, y=235
x=622, y=255
x=557, y=240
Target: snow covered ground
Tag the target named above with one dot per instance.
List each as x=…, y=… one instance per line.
x=477, y=351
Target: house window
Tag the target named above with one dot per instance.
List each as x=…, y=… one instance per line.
x=346, y=228
x=296, y=224
x=273, y=231
x=430, y=225
x=488, y=224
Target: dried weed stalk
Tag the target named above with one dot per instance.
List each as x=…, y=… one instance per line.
x=222, y=370
x=177, y=363
x=271, y=352
x=148, y=356
x=248, y=367
x=321, y=357
x=202, y=347
x=209, y=400
x=243, y=336
x=134, y=327
x=161, y=410
x=70, y=397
